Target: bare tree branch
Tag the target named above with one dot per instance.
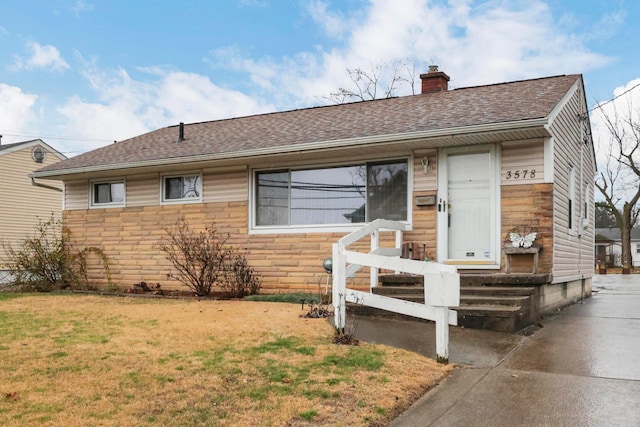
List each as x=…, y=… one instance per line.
x=382, y=80
x=619, y=184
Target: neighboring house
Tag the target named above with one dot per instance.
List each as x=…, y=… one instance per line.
x=609, y=247
x=23, y=202
x=464, y=167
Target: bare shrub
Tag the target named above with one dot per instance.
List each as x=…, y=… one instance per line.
x=241, y=279
x=347, y=334
x=48, y=261
x=204, y=259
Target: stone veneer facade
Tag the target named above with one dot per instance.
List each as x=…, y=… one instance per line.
x=286, y=262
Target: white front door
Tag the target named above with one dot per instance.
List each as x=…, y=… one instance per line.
x=467, y=208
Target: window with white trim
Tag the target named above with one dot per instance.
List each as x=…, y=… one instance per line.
x=107, y=193
x=585, y=201
x=182, y=188
x=348, y=194
x=572, y=195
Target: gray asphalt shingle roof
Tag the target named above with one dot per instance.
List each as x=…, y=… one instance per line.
x=490, y=104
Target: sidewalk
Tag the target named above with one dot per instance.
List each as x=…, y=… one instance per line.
x=581, y=369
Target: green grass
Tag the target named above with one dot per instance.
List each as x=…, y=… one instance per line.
x=11, y=295
x=129, y=368
x=357, y=358
x=283, y=343
x=308, y=415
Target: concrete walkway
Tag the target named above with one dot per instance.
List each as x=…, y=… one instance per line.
x=581, y=369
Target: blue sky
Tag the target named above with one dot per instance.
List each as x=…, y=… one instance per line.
x=82, y=73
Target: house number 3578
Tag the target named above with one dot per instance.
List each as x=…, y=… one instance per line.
x=521, y=174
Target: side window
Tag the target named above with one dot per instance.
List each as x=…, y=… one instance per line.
x=585, y=201
x=107, y=193
x=182, y=188
x=571, y=195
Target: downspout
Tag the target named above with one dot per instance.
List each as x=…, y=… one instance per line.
x=49, y=187
x=582, y=119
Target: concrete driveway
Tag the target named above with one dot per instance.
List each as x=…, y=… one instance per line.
x=581, y=369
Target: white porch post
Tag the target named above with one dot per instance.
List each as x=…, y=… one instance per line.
x=375, y=243
x=339, y=288
x=442, y=334
x=442, y=291
x=399, y=245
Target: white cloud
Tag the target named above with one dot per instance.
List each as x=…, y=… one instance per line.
x=333, y=23
x=193, y=97
x=15, y=111
x=475, y=43
x=41, y=57
x=608, y=25
x=80, y=6
x=128, y=107
x=489, y=43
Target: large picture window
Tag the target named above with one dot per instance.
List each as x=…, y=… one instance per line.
x=181, y=188
x=336, y=195
x=107, y=193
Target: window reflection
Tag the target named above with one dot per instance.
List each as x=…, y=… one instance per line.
x=338, y=195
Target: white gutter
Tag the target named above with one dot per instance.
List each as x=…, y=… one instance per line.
x=49, y=187
x=319, y=145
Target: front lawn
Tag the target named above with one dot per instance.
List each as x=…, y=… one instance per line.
x=97, y=360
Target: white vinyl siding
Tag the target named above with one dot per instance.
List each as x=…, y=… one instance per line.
x=23, y=204
x=142, y=190
x=425, y=180
x=522, y=163
x=572, y=251
x=76, y=195
x=231, y=186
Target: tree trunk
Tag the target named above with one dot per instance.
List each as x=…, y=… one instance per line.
x=625, y=235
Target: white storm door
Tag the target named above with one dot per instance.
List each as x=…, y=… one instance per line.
x=467, y=209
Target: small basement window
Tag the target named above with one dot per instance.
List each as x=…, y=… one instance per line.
x=182, y=188
x=107, y=194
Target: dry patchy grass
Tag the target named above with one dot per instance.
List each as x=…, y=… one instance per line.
x=92, y=360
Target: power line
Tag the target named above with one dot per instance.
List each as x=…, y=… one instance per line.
x=615, y=97
x=65, y=138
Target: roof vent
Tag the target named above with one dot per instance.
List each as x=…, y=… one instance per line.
x=180, y=132
x=434, y=80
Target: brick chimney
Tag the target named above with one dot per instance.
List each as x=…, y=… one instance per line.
x=434, y=80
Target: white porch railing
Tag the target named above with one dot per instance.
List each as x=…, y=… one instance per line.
x=441, y=282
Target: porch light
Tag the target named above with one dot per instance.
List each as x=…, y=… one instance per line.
x=327, y=264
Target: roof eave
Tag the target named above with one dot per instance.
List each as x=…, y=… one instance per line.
x=539, y=123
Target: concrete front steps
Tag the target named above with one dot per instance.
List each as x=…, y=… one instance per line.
x=504, y=304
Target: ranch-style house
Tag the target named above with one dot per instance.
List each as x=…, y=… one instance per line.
x=496, y=180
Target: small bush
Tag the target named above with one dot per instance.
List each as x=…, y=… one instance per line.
x=47, y=261
x=204, y=259
x=241, y=278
